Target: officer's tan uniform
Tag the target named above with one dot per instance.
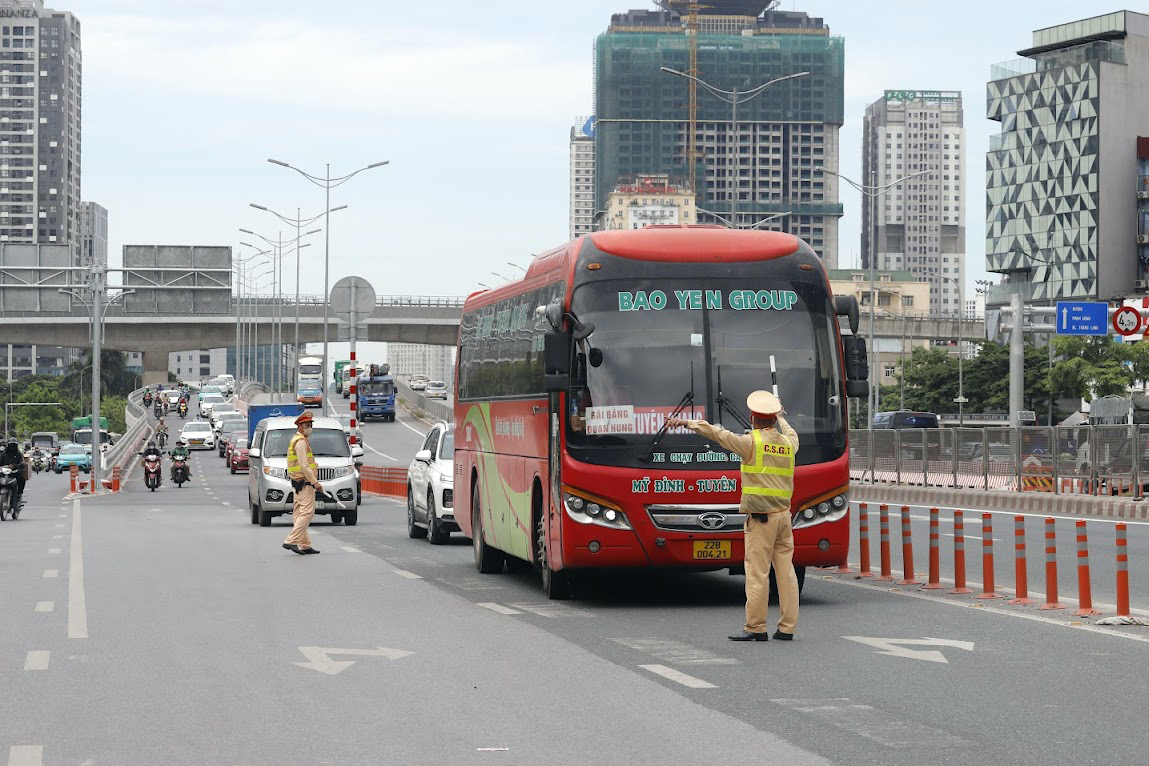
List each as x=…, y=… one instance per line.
x=301, y=465
x=767, y=487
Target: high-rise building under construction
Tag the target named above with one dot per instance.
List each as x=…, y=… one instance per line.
x=755, y=158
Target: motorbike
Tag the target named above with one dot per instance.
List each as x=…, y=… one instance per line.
x=179, y=471
x=183, y=410
x=9, y=493
x=158, y=410
x=38, y=462
x=152, y=478
x=162, y=438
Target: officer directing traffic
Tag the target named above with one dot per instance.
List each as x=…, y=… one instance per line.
x=767, y=453
x=304, y=474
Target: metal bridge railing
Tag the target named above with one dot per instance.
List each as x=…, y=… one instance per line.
x=1108, y=460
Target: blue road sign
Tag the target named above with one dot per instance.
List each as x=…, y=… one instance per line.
x=1082, y=318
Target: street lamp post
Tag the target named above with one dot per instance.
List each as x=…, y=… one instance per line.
x=734, y=97
x=961, y=400
x=327, y=182
x=873, y=191
x=731, y=225
x=299, y=222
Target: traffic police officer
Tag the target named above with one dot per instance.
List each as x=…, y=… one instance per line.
x=304, y=474
x=767, y=453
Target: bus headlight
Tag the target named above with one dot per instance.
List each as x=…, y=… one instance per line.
x=588, y=509
x=823, y=509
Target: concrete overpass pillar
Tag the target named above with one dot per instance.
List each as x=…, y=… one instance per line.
x=155, y=366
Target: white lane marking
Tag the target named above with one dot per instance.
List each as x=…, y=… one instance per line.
x=227, y=503
x=45, y=606
x=967, y=537
x=678, y=677
x=63, y=515
x=77, y=600
x=59, y=526
x=980, y=605
x=37, y=660
x=675, y=652
x=26, y=755
x=409, y=427
x=51, y=573
x=408, y=575
x=873, y=724
x=53, y=551
x=57, y=537
x=349, y=549
x=499, y=608
x=552, y=610
x=899, y=647
x=380, y=454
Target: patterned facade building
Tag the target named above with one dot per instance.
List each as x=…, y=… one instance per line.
x=1062, y=175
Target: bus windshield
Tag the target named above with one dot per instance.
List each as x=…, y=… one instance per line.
x=653, y=358
x=310, y=370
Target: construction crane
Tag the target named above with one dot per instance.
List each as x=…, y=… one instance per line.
x=691, y=7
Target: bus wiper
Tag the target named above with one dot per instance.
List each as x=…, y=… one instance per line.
x=687, y=398
x=727, y=406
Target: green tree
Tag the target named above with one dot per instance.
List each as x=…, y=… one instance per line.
x=1093, y=366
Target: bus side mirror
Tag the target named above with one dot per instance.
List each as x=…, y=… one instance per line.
x=857, y=389
x=857, y=362
x=556, y=353
x=847, y=306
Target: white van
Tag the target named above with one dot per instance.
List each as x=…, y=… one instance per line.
x=269, y=490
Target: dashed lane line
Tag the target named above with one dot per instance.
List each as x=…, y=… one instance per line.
x=37, y=660
x=678, y=677
x=77, y=599
x=49, y=573
x=350, y=549
x=408, y=575
x=45, y=606
x=26, y=755
x=675, y=652
x=499, y=608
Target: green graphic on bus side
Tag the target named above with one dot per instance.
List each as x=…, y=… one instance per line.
x=694, y=300
x=513, y=537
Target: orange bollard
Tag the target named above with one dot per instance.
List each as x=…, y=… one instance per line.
x=1084, y=592
x=987, y=586
x=1122, y=572
x=884, y=537
x=935, y=553
x=1021, y=573
x=116, y=479
x=73, y=473
x=907, y=550
x=959, y=555
x=1051, y=601
x=864, y=541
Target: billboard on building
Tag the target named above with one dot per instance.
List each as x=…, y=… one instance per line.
x=177, y=279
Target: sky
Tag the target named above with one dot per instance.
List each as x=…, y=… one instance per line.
x=470, y=104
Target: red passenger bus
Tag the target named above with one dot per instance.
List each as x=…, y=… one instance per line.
x=566, y=377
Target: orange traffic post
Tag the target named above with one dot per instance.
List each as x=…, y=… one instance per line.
x=907, y=550
x=935, y=553
x=73, y=473
x=884, y=537
x=987, y=586
x=959, y=555
x=1051, y=601
x=1122, y=572
x=1021, y=573
x=1084, y=592
x=864, y=541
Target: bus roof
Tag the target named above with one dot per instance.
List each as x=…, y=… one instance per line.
x=698, y=243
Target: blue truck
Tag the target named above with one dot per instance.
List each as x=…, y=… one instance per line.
x=375, y=391
x=258, y=412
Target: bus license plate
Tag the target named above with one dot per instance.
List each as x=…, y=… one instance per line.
x=711, y=549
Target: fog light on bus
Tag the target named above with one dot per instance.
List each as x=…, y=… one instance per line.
x=823, y=545
x=610, y=514
x=808, y=513
x=839, y=501
x=823, y=508
x=594, y=546
x=593, y=509
x=576, y=503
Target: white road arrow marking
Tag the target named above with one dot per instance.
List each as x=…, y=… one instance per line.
x=319, y=659
x=891, y=647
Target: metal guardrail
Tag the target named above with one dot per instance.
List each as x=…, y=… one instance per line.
x=1108, y=460
x=436, y=409
x=123, y=451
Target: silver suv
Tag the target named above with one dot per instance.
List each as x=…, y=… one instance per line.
x=269, y=490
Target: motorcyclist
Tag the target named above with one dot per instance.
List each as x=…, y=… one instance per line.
x=183, y=407
x=148, y=397
x=181, y=452
x=162, y=428
x=14, y=458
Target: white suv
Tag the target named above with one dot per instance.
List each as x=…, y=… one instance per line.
x=431, y=487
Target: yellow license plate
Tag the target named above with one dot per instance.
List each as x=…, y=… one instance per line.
x=197, y=441
x=711, y=549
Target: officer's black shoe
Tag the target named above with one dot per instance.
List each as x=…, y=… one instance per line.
x=290, y=547
x=309, y=550
x=748, y=636
x=780, y=636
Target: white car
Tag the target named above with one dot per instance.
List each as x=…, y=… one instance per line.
x=431, y=487
x=217, y=409
x=197, y=435
x=218, y=419
x=436, y=389
x=207, y=401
